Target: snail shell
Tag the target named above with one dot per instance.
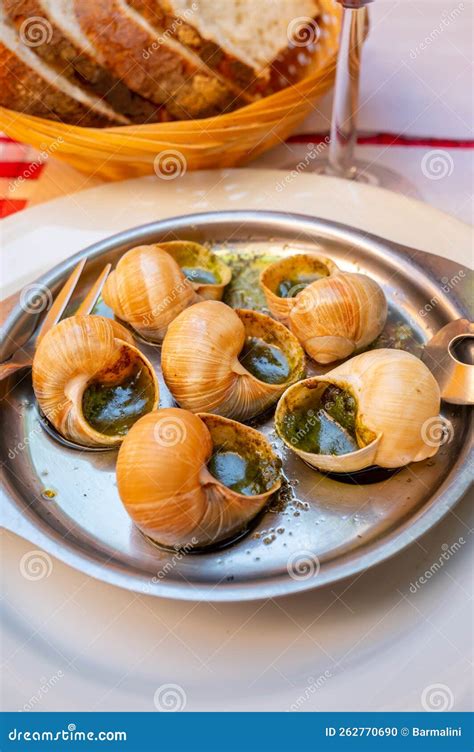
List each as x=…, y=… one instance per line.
x=201, y=366
x=337, y=315
x=148, y=288
x=195, y=259
x=167, y=488
x=397, y=403
x=292, y=273
x=84, y=351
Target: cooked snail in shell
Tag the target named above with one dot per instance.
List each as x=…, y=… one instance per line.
x=376, y=409
x=152, y=284
x=335, y=316
x=196, y=480
x=207, y=273
x=235, y=363
x=283, y=280
x=91, y=382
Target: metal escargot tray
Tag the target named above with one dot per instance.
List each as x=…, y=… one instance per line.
x=320, y=529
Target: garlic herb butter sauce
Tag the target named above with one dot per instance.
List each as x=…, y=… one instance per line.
x=113, y=409
x=241, y=474
x=244, y=289
x=398, y=334
x=329, y=428
x=200, y=276
x=266, y=362
x=289, y=288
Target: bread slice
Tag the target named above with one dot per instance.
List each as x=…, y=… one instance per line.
x=170, y=19
x=249, y=42
x=61, y=43
x=29, y=85
x=153, y=64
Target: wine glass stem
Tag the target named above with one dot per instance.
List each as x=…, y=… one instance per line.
x=346, y=92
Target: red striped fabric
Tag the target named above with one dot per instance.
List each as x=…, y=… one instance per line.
x=25, y=170
x=388, y=139
x=18, y=164
x=10, y=206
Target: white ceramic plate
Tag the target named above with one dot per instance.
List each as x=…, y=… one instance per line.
x=381, y=642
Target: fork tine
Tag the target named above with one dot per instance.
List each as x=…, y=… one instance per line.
x=61, y=301
x=94, y=293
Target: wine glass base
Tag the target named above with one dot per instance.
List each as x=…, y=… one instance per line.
x=369, y=174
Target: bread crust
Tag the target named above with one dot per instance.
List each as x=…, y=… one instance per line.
x=150, y=65
x=238, y=73
x=24, y=90
x=80, y=67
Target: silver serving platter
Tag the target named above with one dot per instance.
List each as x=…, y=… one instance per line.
x=322, y=529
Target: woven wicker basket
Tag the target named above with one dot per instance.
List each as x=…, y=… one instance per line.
x=170, y=148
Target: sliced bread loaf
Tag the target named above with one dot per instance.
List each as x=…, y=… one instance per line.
x=151, y=63
x=59, y=40
x=29, y=85
x=249, y=42
x=173, y=20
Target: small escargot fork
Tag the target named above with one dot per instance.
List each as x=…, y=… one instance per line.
x=23, y=357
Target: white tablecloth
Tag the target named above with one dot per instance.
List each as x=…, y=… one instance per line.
x=416, y=70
